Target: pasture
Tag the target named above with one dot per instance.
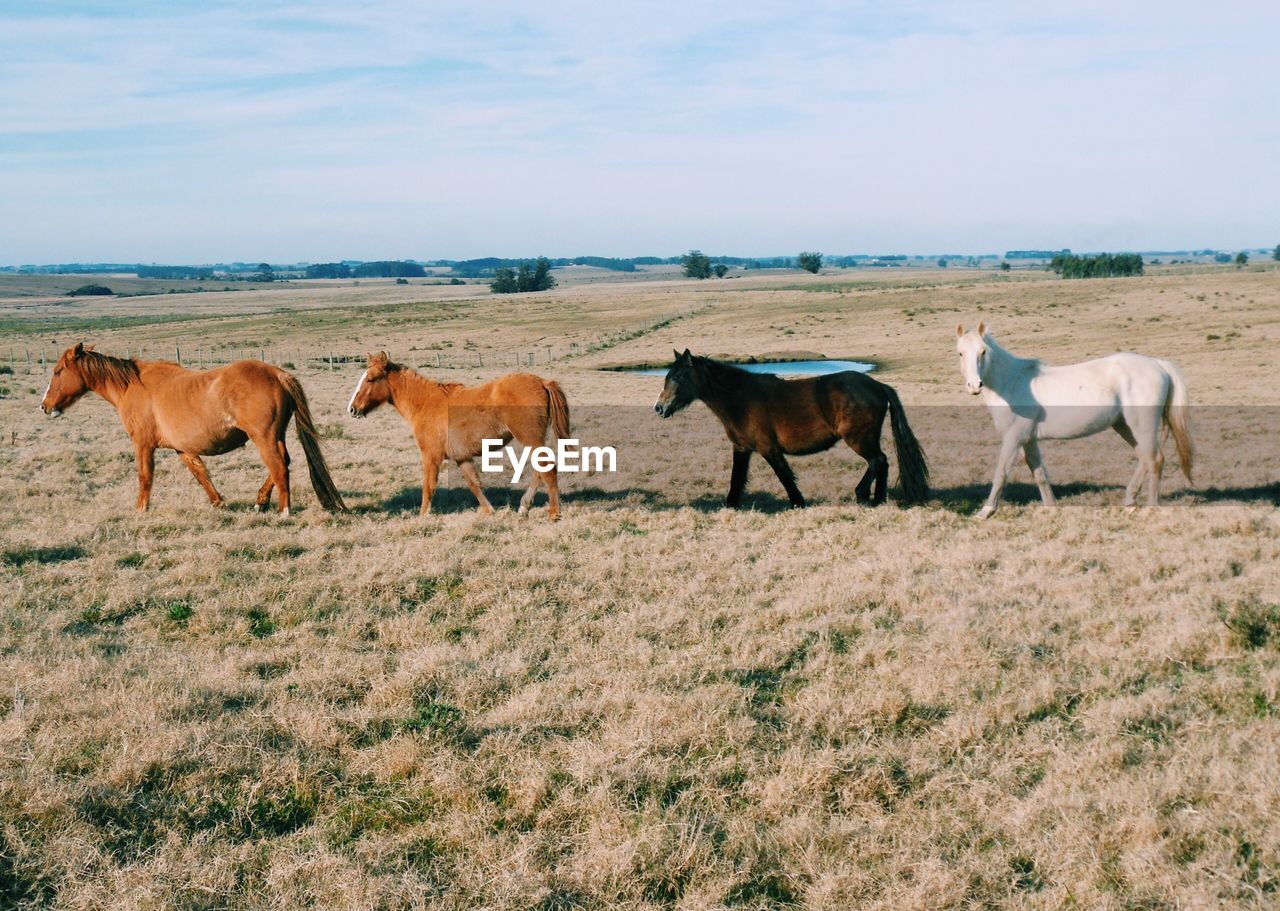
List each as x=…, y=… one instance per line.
x=654, y=702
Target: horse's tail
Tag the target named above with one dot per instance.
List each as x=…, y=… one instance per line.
x=321, y=482
x=913, y=467
x=1177, y=414
x=558, y=409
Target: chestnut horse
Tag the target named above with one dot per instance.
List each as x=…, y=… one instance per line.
x=776, y=418
x=196, y=413
x=451, y=421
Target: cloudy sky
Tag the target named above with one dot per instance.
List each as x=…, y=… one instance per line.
x=176, y=131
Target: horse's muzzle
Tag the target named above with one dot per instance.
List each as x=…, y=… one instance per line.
x=664, y=411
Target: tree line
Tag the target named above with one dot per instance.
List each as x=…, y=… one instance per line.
x=697, y=264
x=1101, y=265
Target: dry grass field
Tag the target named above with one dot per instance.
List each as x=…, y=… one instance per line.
x=653, y=703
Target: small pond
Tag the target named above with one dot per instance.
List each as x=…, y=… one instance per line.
x=782, y=368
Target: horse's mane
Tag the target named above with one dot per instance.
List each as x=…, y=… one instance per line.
x=418, y=378
x=1008, y=355
x=723, y=377
x=101, y=369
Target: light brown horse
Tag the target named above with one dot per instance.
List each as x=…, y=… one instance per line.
x=196, y=413
x=451, y=421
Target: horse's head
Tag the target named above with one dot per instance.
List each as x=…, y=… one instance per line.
x=974, y=351
x=373, y=389
x=67, y=384
x=681, y=386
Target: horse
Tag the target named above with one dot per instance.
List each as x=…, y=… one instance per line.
x=1029, y=401
x=450, y=420
x=196, y=413
x=765, y=414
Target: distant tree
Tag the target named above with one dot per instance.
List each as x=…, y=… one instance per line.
x=92, y=291
x=402, y=281
x=543, y=280
x=696, y=264
x=810, y=262
x=1005, y=267
x=1276, y=255
x=328, y=270
x=721, y=270
x=504, y=281
x=389, y=269
x=1222, y=257
x=1242, y=259
x=524, y=278
x=942, y=264
x=264, y=274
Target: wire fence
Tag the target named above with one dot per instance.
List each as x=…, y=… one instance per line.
x=39, y=358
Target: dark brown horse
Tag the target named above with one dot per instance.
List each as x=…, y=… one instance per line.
x=197, y=413
x=777, y=418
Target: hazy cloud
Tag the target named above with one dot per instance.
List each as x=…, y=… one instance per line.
x=217, y=130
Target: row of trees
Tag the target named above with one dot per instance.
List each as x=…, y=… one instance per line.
x=381, y=269
x=1103, y=265
x=697, y=264
x=525, y=277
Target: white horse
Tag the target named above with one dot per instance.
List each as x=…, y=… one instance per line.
x=1029, y=402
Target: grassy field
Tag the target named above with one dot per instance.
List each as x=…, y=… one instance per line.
x=653, y=703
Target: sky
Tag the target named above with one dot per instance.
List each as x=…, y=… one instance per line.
x=221, y=130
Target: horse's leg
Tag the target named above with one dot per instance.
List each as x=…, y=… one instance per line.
x=868, y=447
x=201, y=474
x=1145, y=424
x=531, y=432
x=1008, y=452
x=552, y=480
x=264, y=494
x=469, y=474
x=738, y=477
x=1031, y=449
x=1139, y=473
x=430, y=477
x=778, y=462
x=146, y=455
x=276, y=458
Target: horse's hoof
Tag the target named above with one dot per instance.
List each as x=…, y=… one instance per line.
x=219, y=504
x=284, y=513
x=1131, y=507
x=985, y=512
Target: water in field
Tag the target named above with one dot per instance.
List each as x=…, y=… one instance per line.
x=782, y=368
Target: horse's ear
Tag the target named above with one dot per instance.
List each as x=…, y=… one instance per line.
x=959, y=330
x=687, y=356
x=378, y=360
x=78, y=350
x=982, y=328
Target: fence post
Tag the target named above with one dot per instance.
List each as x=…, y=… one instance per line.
x=177, y=354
